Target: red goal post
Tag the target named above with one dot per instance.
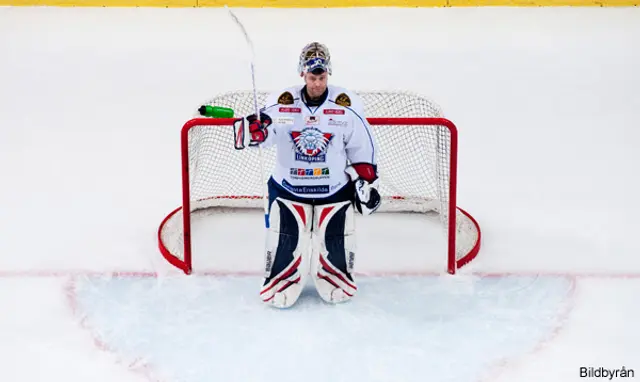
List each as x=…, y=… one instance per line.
x=417, y=163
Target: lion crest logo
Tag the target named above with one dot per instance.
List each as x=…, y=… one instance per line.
x=311, y=144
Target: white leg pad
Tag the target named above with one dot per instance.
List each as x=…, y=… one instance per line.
x=334, y=251
x=290, y=264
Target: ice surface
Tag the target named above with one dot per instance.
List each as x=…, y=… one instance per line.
x=546, y=100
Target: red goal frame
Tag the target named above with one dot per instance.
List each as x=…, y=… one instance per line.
x=452, y=263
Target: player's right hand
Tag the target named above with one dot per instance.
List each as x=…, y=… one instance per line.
x=258, y=128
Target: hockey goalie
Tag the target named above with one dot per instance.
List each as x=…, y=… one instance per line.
x=325, y=171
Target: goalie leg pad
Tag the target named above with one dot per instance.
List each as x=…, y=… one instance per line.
x=288, y=240
x=334, y=251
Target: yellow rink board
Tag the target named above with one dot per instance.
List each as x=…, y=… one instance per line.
x=319, y=4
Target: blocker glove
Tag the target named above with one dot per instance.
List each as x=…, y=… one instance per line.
x=258, y=128
x=364, y=177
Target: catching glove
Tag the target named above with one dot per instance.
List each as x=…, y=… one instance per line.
x=367, y=199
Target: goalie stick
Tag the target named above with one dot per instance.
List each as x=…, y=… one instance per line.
x=265, y=199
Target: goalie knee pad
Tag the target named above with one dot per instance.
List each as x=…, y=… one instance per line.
x=335, y=251
x=288, y=240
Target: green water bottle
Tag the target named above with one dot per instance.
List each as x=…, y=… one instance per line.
x=215, y=111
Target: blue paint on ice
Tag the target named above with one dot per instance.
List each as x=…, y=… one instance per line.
x=197, y=328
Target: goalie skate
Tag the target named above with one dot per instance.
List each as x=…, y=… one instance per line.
x=334, y=252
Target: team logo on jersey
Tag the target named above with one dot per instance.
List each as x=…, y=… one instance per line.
x=334, y=122
x=285, y=98
x=343, y=100
x=318, y=189
x=290, y=110
x=309, y=173
x=311, y=144
x=311, y=120
x=284, y=121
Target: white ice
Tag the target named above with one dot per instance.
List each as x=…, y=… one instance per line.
x=546, y=100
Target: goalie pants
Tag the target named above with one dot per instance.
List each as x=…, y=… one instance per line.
x=346, y=193
x=334, y=239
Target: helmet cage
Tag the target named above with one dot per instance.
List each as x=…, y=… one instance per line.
x=314, y=56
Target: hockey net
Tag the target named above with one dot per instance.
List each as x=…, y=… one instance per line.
x=417, y=164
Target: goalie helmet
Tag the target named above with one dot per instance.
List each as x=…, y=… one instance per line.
x=314, y=58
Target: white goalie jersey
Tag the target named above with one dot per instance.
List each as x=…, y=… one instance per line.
x=315, y=144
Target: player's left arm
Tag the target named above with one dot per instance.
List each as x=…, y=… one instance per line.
x=360, y=147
